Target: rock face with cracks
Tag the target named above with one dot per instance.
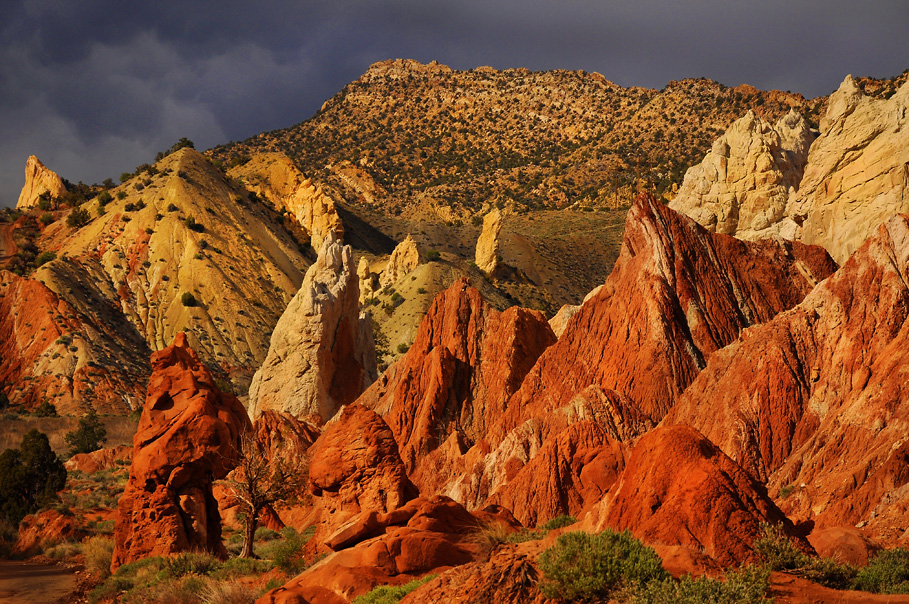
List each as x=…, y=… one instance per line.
x=404, y=259
x=677, y=294
x=322, y=354
x=815, y=398
x=39, y=179
x=188, y=436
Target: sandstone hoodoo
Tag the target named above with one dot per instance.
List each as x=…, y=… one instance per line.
x=404, y=259
x=822, y=411
x=680, y=489
x=39, y=180
x=321, y=355
x=743, y=184
x=488, y=247
x=676, y=295
x=187, y=437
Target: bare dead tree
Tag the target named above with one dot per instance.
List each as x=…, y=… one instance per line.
x=263, y=478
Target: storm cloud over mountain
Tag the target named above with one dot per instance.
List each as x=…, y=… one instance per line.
x=96, y=88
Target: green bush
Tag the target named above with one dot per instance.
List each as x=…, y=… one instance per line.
x=78, y=218
x=46, y=218
x=98, y=553
x=287, y=554
x=30, y=476
x=433, y=255
x=46, y=409
x=190, y=563
x=886, y=573
x=391, y=594
x=88, y=436
x=104, y=198
x=559, y=522
x=583, y=565
x=776, y=549
x=187, y=299
x=747, y=585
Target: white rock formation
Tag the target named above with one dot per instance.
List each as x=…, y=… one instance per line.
x=487, y=253
x=38, y=179
x=404, y=259
x=743, y=184
x=322, y=354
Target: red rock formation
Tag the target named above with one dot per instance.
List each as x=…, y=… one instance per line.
x=844, y=544
x=454, y=382
x=815, y=399
x=425, y=535
x=572, y=470
x=187, y=437
x=355, y=467
x=46, y=527
x=680, y=489
x=102, y=459
x=676, y=295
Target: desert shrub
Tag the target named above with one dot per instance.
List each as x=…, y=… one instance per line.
x=559, y=522
x=46, y=409
x=266, y=534
x=227, y=592
x=433, y=255
x=78, y=218
x=44, y=258
x=391, y=594
x=188, y=299
x=421, y=290
x=98, y=553
x=240, y=567
x=748, y=585
x=287, y=553
x=63, y=551
x=488, y=536
x=583, y=565
x=30, y=477
x=192, y=225
x=886, y=573
x=88, y=436
x=104, y=197
x=46, y=218
x=402, y=348
x=190, y=563
x=776, y=549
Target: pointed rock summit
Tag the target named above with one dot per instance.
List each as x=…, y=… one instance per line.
x=487, y=254
x=188, y=436
x=322, y=354
x=404, y=259
x=38, y=180
x=743, y=184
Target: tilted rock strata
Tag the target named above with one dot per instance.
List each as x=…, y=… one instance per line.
x=678, y=488
x=39, y=179
x=858, y=170
x=404, y=259
x=676, y=295
x=488, y=247
x=275, y=177
x=188, y=436
x=321, y=355
x=815, y=399
x=743, y=184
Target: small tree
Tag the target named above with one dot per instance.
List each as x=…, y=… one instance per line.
x=261, y=479
x=88, y=436
x=78, y=218
x=30, y=477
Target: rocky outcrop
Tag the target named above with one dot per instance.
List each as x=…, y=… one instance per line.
x=676, y=295
x=488, y=246
x=188, y=436
x=404, y=259
x=559, y=321
x=452, y=386
x=678, y=488
x=822, y=407
x=50, y=349
x=743, y=184
x=321, y=355
x=355, y=467
x=39, y=180
x=275, y=177
x=45, y=528
x=97, y=461
x=369, y=281
x=858, y=171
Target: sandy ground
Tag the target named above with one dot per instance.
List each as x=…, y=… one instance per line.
x=30, y=583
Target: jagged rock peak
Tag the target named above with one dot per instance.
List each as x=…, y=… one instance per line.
x=321, y=355
x=487, y=253
x=188, y=436
x=743, y=183
x=404, y=259
x=38, y=179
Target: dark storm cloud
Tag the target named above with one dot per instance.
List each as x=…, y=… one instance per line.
x=96, y=87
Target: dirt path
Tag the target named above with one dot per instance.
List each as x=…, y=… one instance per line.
x=29, y=583
x=7, y=244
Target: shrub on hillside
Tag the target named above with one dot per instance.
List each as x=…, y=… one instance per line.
x=747, y=585
x=886, y=573
x=88, y=435
x=78, y=218
x=391, y=594
x=30, y=477
x=187, y=299
x=584, y=566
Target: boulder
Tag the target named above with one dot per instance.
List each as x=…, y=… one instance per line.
x=321, y=355
x=44, y=529
x=677, y=294
x=742, y=186
x=38, y=180
x=844, y=544
x=404, y=259
x=188, y=436
x=488, y=246
x=814, y=400
x=102, y=459
x=678, y=488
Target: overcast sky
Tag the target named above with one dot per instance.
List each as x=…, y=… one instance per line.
x=96, y=87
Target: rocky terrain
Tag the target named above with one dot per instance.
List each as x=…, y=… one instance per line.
x=469, y=371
